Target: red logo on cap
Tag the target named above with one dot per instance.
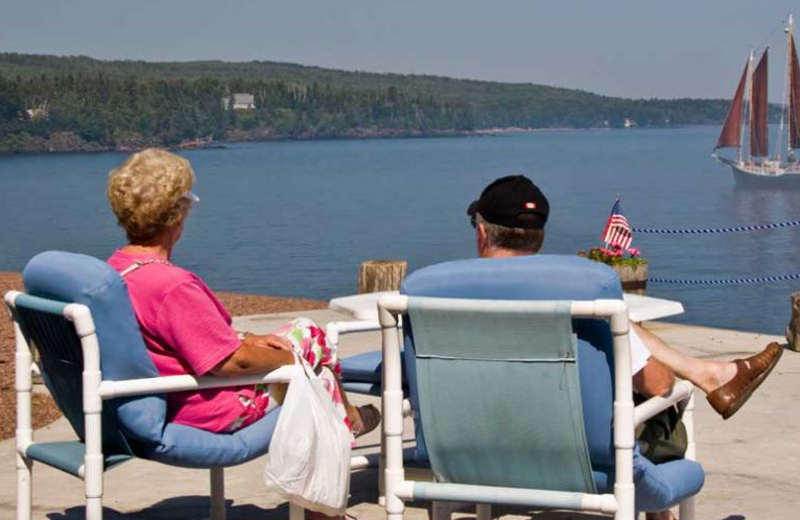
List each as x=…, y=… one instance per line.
x=530, y=205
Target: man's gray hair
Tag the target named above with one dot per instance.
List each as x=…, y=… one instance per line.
x=512, y=238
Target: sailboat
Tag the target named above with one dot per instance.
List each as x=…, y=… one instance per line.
x=749, y=110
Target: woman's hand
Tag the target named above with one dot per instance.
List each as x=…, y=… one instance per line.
x=257, y=354
x=268, y=341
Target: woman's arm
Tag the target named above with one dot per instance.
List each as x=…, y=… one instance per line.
x=257, y=354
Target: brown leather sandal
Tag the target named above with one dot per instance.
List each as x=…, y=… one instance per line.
x=370, y=419
x=750, y=373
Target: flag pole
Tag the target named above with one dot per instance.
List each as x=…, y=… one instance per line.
x=609, y=216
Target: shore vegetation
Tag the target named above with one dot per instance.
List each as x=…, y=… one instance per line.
x=52, y=103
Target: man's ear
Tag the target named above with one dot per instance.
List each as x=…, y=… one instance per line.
x=481, y=239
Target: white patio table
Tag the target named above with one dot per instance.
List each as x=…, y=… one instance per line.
x=641, y=308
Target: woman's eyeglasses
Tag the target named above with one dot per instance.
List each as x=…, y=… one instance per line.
x=192, y=198
x=473, y=221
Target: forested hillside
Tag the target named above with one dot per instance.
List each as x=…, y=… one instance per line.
x=65, y=103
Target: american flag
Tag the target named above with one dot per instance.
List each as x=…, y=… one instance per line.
x=617, y=230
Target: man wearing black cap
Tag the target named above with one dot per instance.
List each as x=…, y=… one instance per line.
x=509, y=220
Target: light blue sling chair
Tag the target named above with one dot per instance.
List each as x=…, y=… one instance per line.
x=93, y=361
x=510, y=369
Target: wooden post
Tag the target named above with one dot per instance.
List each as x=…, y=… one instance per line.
x=634, y=279
x=381, y=275
x=793, y=329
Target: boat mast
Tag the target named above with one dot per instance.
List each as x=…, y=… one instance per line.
x=748, y=111
x=789, y=86
x=785, y=97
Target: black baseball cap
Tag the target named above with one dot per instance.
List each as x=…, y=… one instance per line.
x=513, y=201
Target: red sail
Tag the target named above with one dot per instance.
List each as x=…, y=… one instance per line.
x=794, y=97
x=759, y=146
x=732, y=129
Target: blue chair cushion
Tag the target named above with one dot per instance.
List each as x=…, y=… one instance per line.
x=355, y=387
x=365, y=368
x=662, y=486
x=193, y=448
x=658, y=487
x=70, y=277
x=69, y=456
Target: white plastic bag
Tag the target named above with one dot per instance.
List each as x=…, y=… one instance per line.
x=309, y=456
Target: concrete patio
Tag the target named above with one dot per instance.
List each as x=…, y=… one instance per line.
x=751, y=461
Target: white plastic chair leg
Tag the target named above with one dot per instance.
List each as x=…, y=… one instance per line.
x=93, y=484
x=686, y=509
x=483, y=511
x=296, y=512
x=218, y=494
x=381, y=475
x=94, y=508
x=24, y=487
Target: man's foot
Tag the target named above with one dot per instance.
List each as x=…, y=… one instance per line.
x=750, y=373
x=369, y=417
x=661, y=515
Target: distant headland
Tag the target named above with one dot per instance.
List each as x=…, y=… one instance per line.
x=76, y=103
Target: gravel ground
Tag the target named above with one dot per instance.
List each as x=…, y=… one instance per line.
x=44, y=409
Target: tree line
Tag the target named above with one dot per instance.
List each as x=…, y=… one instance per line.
x=131, y=104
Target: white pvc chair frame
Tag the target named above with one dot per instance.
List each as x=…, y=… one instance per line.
x=95, y=391
x=621, y=504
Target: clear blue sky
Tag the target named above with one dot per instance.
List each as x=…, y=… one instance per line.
x=633, y=48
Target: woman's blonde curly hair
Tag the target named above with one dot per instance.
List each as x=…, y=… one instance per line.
x=148, y=193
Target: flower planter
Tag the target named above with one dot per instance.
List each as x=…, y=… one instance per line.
x=634, y=279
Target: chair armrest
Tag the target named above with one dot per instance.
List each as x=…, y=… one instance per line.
x=335, y=329
x=682, y=390
x=167, y=384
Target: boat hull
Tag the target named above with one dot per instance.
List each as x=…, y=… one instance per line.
x=747, y=178
x=769, y=175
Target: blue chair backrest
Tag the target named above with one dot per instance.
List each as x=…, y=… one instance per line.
x=540, y=277
x=499, y=395
x=76, y=278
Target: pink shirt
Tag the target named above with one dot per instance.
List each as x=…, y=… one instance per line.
x=187, y=331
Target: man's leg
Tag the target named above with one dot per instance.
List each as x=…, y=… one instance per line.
x=706, y=375
x=727, y=384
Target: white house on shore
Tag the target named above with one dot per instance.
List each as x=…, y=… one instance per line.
x=241, y=101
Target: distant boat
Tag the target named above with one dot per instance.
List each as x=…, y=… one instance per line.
x=756, y=165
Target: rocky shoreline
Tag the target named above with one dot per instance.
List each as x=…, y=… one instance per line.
x=44, y=409
x=70, y=142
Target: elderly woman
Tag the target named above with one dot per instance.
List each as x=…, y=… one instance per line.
x=185, y=327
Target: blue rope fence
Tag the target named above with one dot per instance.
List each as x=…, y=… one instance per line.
x=738, y=229
x=735, y=229
x=727, y=281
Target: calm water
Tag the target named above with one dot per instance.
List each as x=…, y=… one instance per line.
x=297, y=218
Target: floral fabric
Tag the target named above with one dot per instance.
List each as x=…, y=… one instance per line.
x=310, y=344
